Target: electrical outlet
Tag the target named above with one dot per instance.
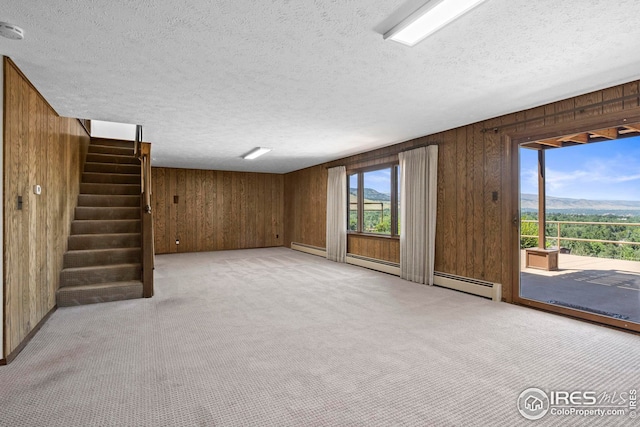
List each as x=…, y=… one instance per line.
x=37, y=189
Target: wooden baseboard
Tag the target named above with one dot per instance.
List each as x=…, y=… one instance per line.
x=11, y=356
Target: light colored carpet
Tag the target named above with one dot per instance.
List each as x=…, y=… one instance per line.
x=280, y=338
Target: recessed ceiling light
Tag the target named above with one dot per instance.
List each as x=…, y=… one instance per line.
x=428, y=19
x=256, y=152
x=11, y=31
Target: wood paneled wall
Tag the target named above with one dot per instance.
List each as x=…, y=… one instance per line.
x=474, y=232
x=385, y=249
x=216, y=210
x=39, y=148
x=305, y=207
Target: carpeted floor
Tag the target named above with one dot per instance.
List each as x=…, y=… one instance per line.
x=280, y=338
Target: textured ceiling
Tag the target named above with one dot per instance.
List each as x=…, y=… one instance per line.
x=314, y=80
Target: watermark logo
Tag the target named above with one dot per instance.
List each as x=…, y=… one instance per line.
x=533, y=403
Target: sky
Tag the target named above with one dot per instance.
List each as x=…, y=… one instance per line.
x=379, y=180
x=607, y=170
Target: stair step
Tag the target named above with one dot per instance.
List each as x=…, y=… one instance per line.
x=111, y=178
x=112, y=142
x=105, y=226
x=112, y=168
x=110, y=149
x=89, y=257
x=112, y=158
x=106, y=200
x=89, y=212
x=99, y=274
x=102, y=188
x=96, y=293
x=104, y=241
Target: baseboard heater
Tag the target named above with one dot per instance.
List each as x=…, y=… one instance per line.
x=313, y=250
x=374, y=264
x=471, y=286
x=481, y=288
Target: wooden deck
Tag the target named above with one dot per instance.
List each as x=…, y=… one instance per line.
x=608, y=286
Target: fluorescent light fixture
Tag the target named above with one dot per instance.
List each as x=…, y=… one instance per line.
x=429, y=19
x=255, y=153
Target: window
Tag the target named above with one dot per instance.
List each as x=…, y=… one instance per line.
x=374, y=201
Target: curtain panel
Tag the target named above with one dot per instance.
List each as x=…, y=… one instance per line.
x=418, y=208
x=337, y=214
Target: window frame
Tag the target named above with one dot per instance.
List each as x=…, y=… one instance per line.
x=394, y=188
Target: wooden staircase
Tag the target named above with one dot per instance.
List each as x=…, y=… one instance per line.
x=104, y=257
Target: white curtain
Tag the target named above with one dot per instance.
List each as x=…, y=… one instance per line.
x=337, y=214
x=418, y=200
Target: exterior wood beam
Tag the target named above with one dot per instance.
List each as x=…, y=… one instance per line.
x=551, y=142
x=611, y=133
x=581, y=138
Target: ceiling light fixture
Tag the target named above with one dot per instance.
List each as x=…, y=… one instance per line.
x=11, y=31
x=256, y=152
x=428, y=19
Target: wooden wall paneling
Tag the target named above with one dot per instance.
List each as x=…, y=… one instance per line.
x=585, y=101
x=611, y=94
x=239, y=219
x=40, y=148
x=219, y=225
x=478, y=229
x=181, y=209
x=160, y=207
x=460, y=202
x=449, y=201
x=509, y=248
x=33, y=263
x=23, y=185
x=631, y=89
x=191, y=212
x=219, y=210
x=228, y=210
x=270, y=197
x=279, y=225
x=492, y=253
x=200, y=212
x=468, y=243
x=172, y=185
x=13, y=142
x=209, y=195
x=251, y=215
x=382, y=248
x=561, y=106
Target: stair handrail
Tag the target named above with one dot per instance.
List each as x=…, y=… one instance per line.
x=144, y=153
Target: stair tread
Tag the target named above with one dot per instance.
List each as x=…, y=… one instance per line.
x=102, y=250
x=112, y=195
x=109, y=173
x=108, y=163
x=108, y=207
x=107, y=234
x=106, y=266
x=111, y=184
x=111, y=146
x=101, y=285
x=107, y=220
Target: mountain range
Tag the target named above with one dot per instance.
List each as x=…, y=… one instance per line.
x=371, y=194
x=529, y=202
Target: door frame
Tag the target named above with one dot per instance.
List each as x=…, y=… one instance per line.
x=513, y=141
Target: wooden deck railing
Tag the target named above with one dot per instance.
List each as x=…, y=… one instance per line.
x=558, y=236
